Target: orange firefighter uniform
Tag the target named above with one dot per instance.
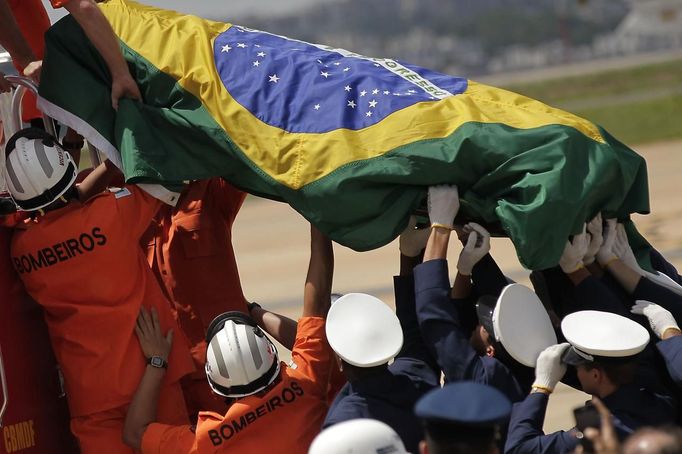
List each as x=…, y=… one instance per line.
x=83, y=264
x=283, y=419
x=189, y=248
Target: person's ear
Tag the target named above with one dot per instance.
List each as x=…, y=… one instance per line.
x=423, y=447
x=490, y=351
x=598, y=375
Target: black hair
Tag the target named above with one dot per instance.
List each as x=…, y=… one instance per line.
x=619, y=373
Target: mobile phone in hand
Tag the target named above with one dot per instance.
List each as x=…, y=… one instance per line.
x=585, y=417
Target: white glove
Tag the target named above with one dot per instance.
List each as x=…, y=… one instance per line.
x=572, y=258
x=548, y=368
x=660, y=319
x=606, y=253
x=413, y=241
x=472, y=254
x=443, y=205
x=594, y=228
x=621, y=247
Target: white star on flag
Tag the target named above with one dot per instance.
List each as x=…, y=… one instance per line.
x=372, y=103
x=317, y=107
x=351, y=104
x=274, y=78
x=226, y=48
x=242, y=45
x=411, y=91
x=375, y=91
x=256, y=63
x=347, y=88
x=324, y=74
x=386, y=92
x=363, y=93
x=368, y=114
x=346, y=69
x=337, y=63
x=261, y=54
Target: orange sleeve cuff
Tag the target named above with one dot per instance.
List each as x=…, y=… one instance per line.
x=162, y=438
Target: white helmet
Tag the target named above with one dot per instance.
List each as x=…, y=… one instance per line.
x=358, y=436
x=240, y=359
x=38, y=171
x=363, y=331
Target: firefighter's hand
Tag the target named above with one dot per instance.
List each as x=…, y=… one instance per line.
x=33, y=70
x=152, y=340
x=124, y=86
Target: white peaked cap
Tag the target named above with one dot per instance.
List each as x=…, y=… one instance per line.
x=363, y=331
x=358, y=436
x=522, y=325
x=604, y=334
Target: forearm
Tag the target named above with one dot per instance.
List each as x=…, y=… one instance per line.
x=98, y=180
x=438, y=320
x=318, y=286
x=100, y=33
x=11, y=37
x=142, y=410
x=437, y=246
x=462, y=287
x=626, y=276
x=525, y=429
x=281, y=328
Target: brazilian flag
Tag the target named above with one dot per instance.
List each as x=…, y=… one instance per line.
x=350, y=142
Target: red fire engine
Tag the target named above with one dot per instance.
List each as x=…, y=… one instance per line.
x=33, y=410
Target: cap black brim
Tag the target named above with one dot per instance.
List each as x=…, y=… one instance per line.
x=485, y=306
x=572, y=358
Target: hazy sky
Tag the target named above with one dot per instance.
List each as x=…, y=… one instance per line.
x=221, y=9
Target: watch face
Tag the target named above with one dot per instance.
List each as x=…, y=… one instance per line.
x=156, y=361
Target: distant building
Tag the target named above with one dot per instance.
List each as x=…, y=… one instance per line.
x=650, y=25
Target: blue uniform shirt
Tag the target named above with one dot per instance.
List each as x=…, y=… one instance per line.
x=390, y=396
x=671, y=350
x=632, y=407
x=440, y=325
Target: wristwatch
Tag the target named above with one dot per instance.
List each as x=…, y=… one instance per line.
x=158, y=362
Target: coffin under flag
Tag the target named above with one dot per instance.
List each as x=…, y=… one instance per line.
x=350, y=142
